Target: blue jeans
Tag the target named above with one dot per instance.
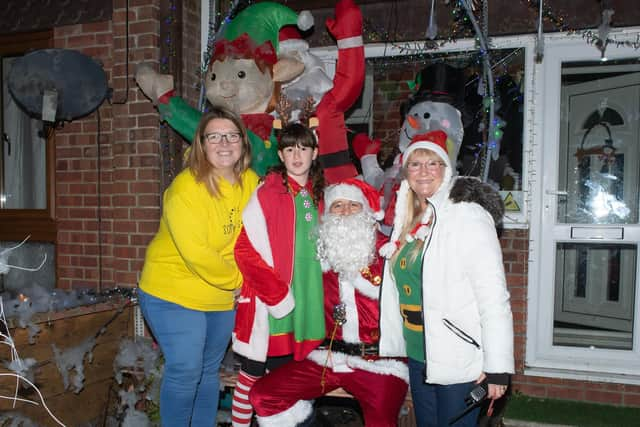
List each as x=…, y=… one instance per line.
x=434, y=404
x=193, y=344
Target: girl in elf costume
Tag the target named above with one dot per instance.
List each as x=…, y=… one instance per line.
x=276, y=253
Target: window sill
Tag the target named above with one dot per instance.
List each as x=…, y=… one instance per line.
x=571, y=374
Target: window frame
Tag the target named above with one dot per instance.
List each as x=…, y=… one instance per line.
x=40, y=224
x=521, y=219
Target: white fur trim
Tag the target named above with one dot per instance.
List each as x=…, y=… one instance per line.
x=344, y=191
x=284, y=307
x=293, y=416
x=305, y=20
x=324, y=265
x=393, y=367
x=351, y=328
x=353, y=193
x=256, y=348
x=365, y=287
x=422, y=232
x=350, y=42
x=426, y=145
x=387, y=250
x=291, y=46
x=255, y=225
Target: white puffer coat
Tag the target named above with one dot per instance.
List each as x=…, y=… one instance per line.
x=468, y=325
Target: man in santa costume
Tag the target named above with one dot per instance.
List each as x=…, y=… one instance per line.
x=347, y=247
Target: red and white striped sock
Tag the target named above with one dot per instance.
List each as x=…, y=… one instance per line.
x=241, y=410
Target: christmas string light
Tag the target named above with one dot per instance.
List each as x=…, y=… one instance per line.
x=592, y=38
x=167, y=23
x=548, y=15
x=19, y=367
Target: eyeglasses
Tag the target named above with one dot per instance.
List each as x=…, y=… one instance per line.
x=216, y=137
x=431, y=165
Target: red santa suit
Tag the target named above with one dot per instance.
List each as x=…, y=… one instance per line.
x=282, y=398
x=347, y=86
x=332, y=98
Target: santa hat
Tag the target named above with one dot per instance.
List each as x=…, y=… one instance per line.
x=290, y=39
x=357, y=191
x=435, y=141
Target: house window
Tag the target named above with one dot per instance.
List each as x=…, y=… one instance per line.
x=392, y=68
x=26, y=174
x=24, y=154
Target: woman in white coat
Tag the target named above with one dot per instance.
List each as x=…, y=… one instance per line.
x=444, y=301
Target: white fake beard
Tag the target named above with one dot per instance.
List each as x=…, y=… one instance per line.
x=347, y=243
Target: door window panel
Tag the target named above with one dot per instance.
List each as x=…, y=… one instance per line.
x=599, y=145
x=595, y=296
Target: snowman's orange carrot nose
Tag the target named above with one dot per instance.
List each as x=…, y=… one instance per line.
x=413, y=122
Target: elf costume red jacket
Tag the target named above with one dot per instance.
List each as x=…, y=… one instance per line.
x=265, y=255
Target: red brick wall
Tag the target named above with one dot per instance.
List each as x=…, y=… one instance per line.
x=106, y=220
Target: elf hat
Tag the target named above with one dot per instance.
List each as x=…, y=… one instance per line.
x=263, y=21
x=357, y=191
x=435, y=141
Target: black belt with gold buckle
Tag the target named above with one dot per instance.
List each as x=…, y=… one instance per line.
x=351, y=349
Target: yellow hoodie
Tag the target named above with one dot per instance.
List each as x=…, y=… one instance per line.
x=190, y=260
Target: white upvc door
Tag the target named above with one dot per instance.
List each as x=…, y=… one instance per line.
x=583, y=287
x=598, y=170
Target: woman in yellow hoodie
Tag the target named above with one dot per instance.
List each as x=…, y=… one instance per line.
x=189, y=277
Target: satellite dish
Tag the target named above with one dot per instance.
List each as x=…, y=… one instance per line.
x=57, y=84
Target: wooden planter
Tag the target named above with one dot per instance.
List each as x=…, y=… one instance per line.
x=68, y=329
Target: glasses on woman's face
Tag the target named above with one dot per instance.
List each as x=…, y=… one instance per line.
x=217, y=137
x=431, y=165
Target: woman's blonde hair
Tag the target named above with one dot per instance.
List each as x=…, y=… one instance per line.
x=414, y=212
x=197, y=161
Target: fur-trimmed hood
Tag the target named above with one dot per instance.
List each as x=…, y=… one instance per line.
x=472, y=189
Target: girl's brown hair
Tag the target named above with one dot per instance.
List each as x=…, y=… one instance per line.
x=197, y=161
x=296, y=134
